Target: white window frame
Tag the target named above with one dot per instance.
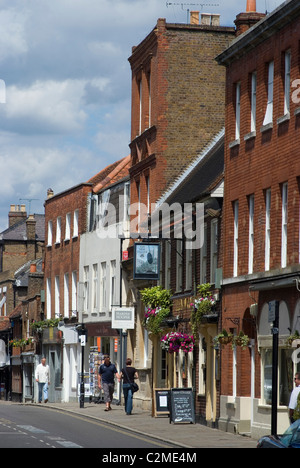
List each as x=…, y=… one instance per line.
x=269, y=110
x=253, y=101
x=251, y=234
x=68, y=227
x=238, y=111
x=57, y=297
x=66, y=295
x=287, y=81
x=236, y=237
x=113, y=283
x=168, y=251
x=213, y=250
x=188, y=268
x=74, y=292
x=284, y=220
x=103, y=286
x=203, y=257
x=50, y=234
x=48, y=298
x=268, y=229
x=58, y=230
x=75, y=223
x=95, y=288
x=86, y=288
x=179, y=265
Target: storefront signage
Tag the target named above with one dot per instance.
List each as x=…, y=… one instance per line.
x=122, y=317
x=182, y=406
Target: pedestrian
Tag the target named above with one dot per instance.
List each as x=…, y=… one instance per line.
x=106, y=380
x=128, y=375
x=42, y=376
x=294, y=399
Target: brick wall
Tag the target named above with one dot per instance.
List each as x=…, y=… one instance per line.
x=187, y=99
x=63, y=257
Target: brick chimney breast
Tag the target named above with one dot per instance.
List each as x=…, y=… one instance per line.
x=245, y=21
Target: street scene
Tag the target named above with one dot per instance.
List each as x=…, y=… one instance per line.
x=150, y=226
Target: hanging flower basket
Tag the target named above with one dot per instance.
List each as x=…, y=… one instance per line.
x=158, y=303
x=154, y=318
x=173, y=342
x=294, y=340
x=240, y=340
x=202, y=305
x=223, y=338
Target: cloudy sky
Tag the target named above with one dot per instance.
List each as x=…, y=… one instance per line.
x=65, y=87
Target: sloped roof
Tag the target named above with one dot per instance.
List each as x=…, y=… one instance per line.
x=111, y=174
x=18, y=230
x=21, y=275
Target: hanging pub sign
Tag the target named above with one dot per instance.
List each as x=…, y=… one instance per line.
x=122, y=317
x=146, y=260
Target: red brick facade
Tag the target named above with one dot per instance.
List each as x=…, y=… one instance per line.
x=62, y=254
x=261, y=161
x=175, y=110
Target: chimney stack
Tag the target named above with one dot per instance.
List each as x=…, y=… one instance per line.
x=245, y=21
x=17, y=213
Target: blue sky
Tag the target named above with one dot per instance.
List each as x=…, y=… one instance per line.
x=68, y=87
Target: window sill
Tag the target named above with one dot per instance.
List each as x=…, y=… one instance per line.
x=297, y=111
x=266, y=127
x=234, y=143
x=283, y=118
x=250, y=135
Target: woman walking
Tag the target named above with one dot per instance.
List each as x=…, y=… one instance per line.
x=128, y=375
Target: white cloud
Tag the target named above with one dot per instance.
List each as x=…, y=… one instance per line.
x=68, y=87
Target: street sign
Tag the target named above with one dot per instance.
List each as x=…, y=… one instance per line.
x=122, y=318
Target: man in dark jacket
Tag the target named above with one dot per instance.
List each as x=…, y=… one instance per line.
x=106, y=380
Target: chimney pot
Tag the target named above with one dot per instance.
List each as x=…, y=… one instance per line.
x=194, y=17
x=251, y=5
x=206, y=19
x=50, y=193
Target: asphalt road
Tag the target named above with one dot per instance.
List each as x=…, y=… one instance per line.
x=34, y=427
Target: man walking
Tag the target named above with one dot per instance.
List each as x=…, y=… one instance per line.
x=42, y=376
x=106, y=380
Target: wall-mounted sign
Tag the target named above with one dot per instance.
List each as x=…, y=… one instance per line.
x=122, y=317
x=146, y=260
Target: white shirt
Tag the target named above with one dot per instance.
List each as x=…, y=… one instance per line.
x=293, y=398
x=42, y=373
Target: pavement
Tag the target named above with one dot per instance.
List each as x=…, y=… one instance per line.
x=180, y=435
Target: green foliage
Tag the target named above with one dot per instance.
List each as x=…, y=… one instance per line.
x=157, y=302
x=156, y=297
x=202, y=305
x=37, y=327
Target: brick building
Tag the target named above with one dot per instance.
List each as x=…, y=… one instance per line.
x=71, y=237
x=177, y=109
x=261, y=214
x=183, y=270
x=65, y=221
x=21, y=245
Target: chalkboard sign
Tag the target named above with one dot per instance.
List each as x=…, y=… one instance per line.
x=182, y=405
x=161, y=400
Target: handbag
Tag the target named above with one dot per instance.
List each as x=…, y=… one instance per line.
x=134, y=386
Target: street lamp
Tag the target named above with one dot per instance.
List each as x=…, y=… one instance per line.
x=82, y=332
